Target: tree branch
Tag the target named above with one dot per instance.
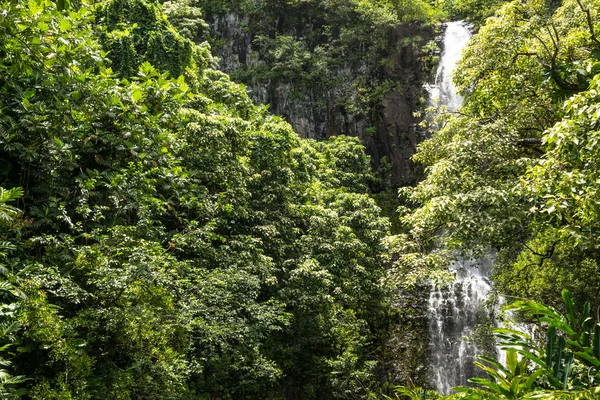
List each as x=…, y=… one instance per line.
x=529, y=142
x=523, y=54
x=589, y=22
x=560, y=82
x=549, y=253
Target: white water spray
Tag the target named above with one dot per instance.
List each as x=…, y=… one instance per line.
x=454, y=312
x=443, y=92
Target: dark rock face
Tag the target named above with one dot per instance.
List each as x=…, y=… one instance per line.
x=397, y=138
x=389, y=129
x=399, y=133
x=407, y=351
x=236, y=43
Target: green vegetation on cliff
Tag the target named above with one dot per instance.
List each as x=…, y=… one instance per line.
x=333, y=67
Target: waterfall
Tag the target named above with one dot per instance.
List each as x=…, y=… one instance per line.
x=443, y=92
x=455, y=309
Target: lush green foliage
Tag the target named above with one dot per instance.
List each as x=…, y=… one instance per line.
x=9, y=294
x=186, y=18
x=474, y=11
x=176, y=241
x=514, y=173
x=568, y=358
x=485, y=187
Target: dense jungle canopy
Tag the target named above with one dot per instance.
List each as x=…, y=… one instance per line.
x=164, y=236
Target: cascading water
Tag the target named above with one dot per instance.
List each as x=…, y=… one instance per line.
x=443, y=92
x=456, y=309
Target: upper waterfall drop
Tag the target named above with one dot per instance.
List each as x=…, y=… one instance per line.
x=443, y=92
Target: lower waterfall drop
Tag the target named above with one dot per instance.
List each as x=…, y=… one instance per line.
x=454, y=311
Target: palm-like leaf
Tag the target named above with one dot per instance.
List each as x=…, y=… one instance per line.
x=8, y=212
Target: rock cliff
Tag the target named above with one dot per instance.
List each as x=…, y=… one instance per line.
x=370, y=94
